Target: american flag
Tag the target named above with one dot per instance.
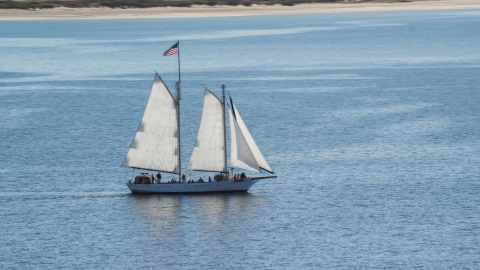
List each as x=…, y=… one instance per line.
x=172, y=50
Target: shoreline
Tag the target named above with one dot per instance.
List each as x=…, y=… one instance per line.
x=63, y=13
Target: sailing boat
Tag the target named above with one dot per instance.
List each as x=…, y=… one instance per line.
x=156, y=145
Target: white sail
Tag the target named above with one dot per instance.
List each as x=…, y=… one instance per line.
x=209, y=151
x=244, y=152
x=155, y=146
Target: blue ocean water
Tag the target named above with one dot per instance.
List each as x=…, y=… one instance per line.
x=370, y=120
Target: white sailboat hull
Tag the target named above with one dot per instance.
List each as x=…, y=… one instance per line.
x=207, y=187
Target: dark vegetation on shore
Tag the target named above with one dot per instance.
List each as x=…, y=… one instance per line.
x=44, y=4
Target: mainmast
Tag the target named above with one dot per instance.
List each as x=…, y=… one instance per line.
x=224, y=128
x=178, y=117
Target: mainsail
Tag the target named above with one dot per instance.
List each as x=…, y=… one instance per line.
x=209, y=151
x=155, y=146
x=244, y=152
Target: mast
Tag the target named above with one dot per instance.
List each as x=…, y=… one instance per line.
x=224, y=127
x=178, y=62
x=178, y=117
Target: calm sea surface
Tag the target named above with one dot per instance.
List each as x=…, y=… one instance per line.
x=370, y=120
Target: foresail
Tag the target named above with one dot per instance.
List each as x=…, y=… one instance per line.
x=244, y=153
x=208, y=153
x=240, y=154
x=155, y=146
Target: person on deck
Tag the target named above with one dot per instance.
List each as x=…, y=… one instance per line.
x=183, y=178
x=159, y=177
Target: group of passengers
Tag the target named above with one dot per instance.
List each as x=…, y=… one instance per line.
x=184, y=180
x=219, y=177
x=200, y=180
x=216, y=178
x=157, y=179
x=239, y=176
x=145, y=179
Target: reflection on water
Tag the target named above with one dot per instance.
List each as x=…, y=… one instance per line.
x=166, y=211
x=165, y=222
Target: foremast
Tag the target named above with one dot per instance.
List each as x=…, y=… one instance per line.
x=224, y=127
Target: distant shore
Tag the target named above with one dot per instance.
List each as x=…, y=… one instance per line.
x=213, y=11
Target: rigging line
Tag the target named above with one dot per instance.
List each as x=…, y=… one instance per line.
x=229, y=97
x=201, y=67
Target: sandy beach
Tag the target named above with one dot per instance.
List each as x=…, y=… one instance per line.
x=209, y=11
